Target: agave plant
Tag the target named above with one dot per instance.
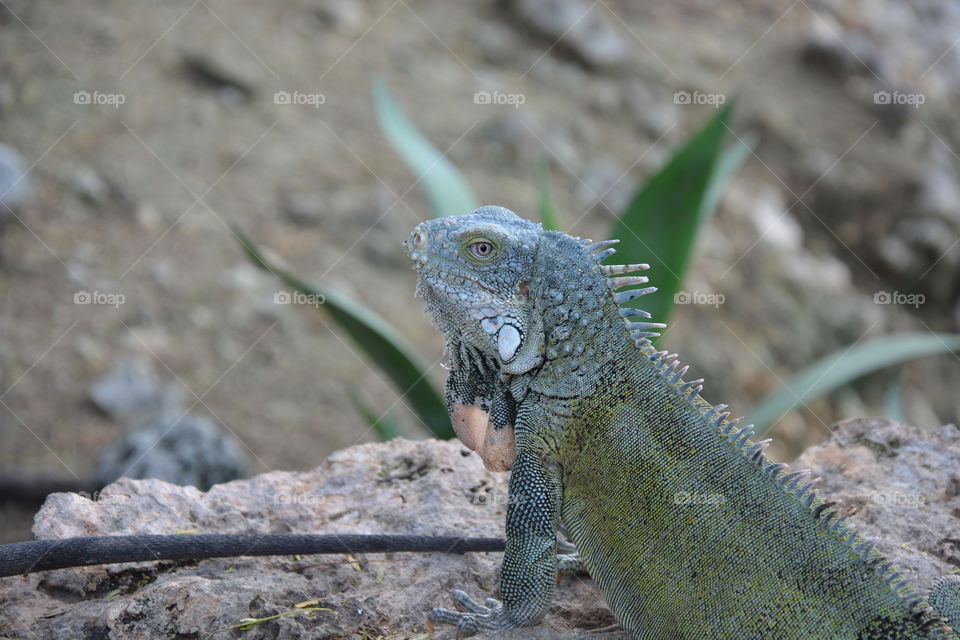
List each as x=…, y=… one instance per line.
x=668, y=211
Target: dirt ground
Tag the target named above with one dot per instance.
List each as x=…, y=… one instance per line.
x=136, y=199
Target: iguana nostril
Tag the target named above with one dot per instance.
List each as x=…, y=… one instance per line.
x=418, y=239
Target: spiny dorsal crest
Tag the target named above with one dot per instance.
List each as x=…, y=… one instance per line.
x=617, y=280
x=797, y=484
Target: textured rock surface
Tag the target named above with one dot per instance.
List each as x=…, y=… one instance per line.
x=164, y=439
x=905, y=485
x=903, y=480
x=585, y=33
x=176, y=446
x=402, y=487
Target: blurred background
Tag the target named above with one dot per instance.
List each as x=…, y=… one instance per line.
x=135, y=133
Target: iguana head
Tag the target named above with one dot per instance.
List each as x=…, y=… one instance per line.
x=474, y=274
x=513, y=299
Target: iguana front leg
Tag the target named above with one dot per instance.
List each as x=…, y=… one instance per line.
x=529, y=571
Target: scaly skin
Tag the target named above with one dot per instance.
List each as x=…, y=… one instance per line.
x=682, y=522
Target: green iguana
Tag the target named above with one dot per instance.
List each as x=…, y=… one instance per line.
x=549, y=377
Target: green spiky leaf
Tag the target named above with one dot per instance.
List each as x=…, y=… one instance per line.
x=841, y=367
x=385, y=427
x=447, y=190
x=376, y=339
x=661, y=223
x=548, y=212
x=893, y=397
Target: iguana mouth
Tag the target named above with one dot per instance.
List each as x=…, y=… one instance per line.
x=433, y=270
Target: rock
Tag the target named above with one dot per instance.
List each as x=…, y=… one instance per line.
x=166, y=441
x=149, y=217
x=175, y=446
x=773, y=222
x=902, y=479
x=304, y=209
x=130, y=388
x=842, y=52
x=578, y=27
x=220, y=72
x=87, y=183
x=340, y=15
x=14, y=185
x=404, y=487
x=896, y=255
x=897, y=477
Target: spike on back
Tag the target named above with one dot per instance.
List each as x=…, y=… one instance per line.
x=603, y=255
x=620, y=269
x=599, y=246
x=617, y=280
x=791, y=483
x=626, y=281
x=630, y=294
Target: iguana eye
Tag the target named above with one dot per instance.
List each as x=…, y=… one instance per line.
x=481, y=249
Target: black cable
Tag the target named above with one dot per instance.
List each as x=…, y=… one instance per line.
x=20, y=558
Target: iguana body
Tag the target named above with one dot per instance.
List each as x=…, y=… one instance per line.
x=687, y=528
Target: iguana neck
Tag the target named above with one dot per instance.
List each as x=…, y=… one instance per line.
x=582, y=326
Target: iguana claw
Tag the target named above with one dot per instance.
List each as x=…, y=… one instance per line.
x=569, y=564
x=478, y=616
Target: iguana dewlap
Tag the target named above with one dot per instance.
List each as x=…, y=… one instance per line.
x=680, y=519
x=497, y=447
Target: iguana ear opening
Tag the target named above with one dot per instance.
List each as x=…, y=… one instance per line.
x=527, y=347
x=521, y=344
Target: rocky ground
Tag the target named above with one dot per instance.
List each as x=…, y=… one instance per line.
x=147, y=128
x=901, y=480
